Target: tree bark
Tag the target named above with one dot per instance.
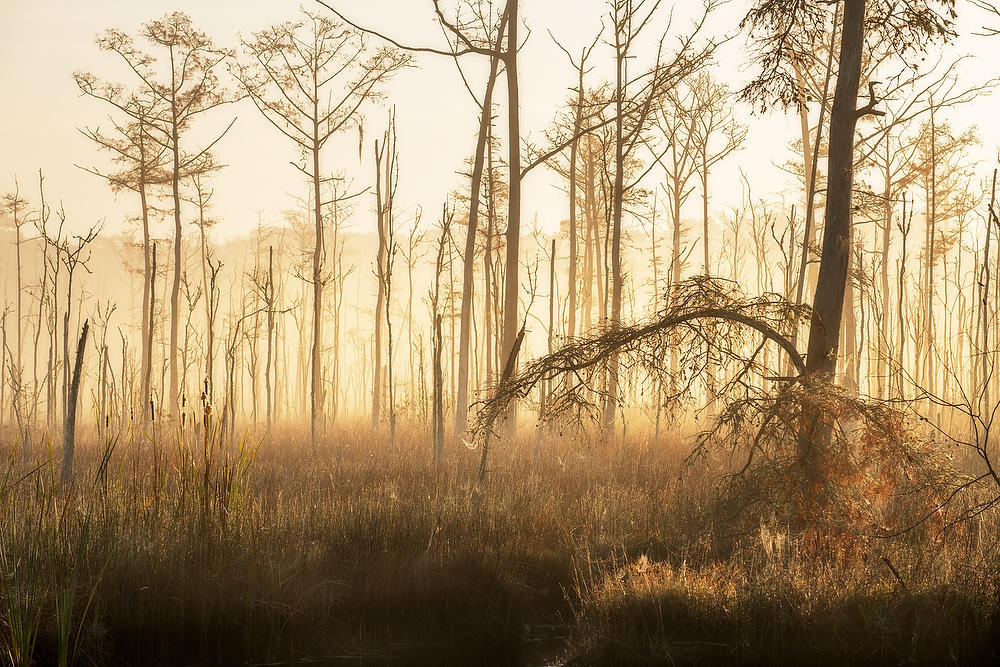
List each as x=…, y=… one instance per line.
x=469, y=259
x=508, y=372
x=380, y=295
x=573, y=152
x=511, y=280
x=147, y=398
x=147, y=293
x=828, y=303
x=69, y=433
x=315, y=390
x=270, y=335
x=616, y=233
x=882, y=340
x=175, y=290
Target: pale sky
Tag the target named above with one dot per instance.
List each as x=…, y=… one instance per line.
x=43, y=42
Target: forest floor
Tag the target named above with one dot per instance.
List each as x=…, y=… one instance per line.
x=362, y=554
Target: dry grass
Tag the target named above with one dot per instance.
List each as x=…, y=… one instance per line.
x=359, y=554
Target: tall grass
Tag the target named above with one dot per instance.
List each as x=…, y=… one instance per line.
x=166, y=552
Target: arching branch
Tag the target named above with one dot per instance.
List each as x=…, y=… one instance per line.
x=694, y=302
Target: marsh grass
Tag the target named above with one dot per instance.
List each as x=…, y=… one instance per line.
x=163, y=552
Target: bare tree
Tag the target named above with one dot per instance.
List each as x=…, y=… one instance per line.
x=504, y=51
x=202, y=200
x=69, y=433
x=4, y=366
x=17, y=207
x=437, y=385
x=191, y=88
x=635, y=99
x=468, y=258
x=309, y=78
x=413, y=252
x=104, y=397
x=269, y=301
x=386, y=182
x=138, y=147
x=581, y=117
x=717, y=134
x=72, y=253
x=147, y=398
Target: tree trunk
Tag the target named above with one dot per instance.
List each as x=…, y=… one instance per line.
x=508, y=370
x=389, y=361
x=828, y=303
x=175, y=290
x=147, y=293
x=882, y=341
x=469, y=259
x=589, y=243
x=710, y=370
x=573, y=152
x=851, y=349
x=437, y=400
x=380, y=298
x=901, y=299
x=147, y=398
x=931, y=287
x=616, y=233
x=315, y=390
x=65, y=343
x=511, y=282
x=270, y=335
x=3, y=369
x=489, y=278
x=69, y=433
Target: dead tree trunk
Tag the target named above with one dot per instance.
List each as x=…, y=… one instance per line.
x=508, y=372
x=616, y=230
x=511, y=267
x=574, y=151
x=380, y=262
x=315, y=381
x=69, y=432
x=270, y=335
x=469, y=259
x=437, y=401
x=148, y=343
x=882, y=341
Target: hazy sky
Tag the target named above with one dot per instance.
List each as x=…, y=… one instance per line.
x=43, y=42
